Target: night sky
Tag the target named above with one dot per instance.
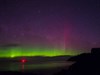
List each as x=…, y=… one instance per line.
x=64, y=24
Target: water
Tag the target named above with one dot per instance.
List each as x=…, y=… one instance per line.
x=44, y=67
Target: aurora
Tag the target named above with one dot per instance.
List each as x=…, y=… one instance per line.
x=34, y=51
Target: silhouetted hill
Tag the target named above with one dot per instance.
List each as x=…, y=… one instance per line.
x=85, y=64
x=36, y=59
x=79, y=57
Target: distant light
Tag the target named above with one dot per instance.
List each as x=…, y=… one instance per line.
x=23, y=60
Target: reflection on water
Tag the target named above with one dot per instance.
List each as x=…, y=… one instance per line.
x=16, y=66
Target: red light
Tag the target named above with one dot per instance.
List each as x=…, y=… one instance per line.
x=23, y=60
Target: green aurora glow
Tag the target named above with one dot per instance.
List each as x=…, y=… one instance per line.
x=29, y=51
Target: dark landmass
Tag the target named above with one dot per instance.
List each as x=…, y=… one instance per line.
x=85, y=64
x=36, y=59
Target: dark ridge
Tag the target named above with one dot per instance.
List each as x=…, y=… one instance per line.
x=85, y=64
x=36, y=59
